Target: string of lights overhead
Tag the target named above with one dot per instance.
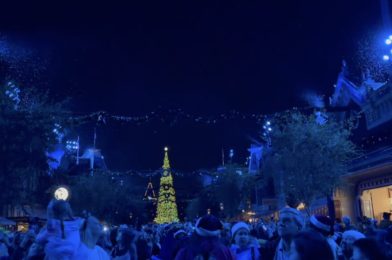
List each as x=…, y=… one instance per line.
x=174, y=116
x=151, y=173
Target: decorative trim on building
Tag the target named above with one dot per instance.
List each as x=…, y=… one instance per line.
x=375, y=183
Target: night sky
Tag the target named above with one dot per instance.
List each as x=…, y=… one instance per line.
x=204, y=58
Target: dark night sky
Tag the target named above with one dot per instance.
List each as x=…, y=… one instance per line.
x=204, y=58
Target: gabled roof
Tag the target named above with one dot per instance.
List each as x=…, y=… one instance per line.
x=345, y=91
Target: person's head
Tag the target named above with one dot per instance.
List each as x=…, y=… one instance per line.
x=348, y=239
x=208, y=226
x=148, y=230
x=309, y=245
x=59, y=209
x=179, y=234
x=240, y=234
x=124, y=238
x=367, y=249
x=321, y=224
x=346, y=220
x=386, y=215
x=290, y=222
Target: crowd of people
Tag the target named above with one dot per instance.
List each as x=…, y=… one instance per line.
x=292, y=236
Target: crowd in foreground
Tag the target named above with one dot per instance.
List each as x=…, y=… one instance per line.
x=65, y=237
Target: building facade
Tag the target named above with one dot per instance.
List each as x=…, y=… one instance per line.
x=367, y=188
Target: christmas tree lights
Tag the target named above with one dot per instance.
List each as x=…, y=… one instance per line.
x=167, y=207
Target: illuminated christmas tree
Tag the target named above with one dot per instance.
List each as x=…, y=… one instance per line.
x=167, y=207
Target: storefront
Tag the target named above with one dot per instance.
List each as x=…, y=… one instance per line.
x=376, y=200
x=367, y=191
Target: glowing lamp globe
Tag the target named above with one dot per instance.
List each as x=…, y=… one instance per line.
x=385, y=57
x=388, y=41
x=61, y=193
x=105, y=228
x=390, y=37
x=166, y=149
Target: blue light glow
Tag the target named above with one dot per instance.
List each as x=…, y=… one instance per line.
x=55, y=156
x=388, y=41
x=385, y=57
x=72, y=145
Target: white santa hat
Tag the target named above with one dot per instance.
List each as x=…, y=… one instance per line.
x=322, y=223
x=354, y=234
x=296, y=214
x=239, y=226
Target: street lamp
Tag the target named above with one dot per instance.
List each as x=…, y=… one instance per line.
x=388, y=42
x=72, y=145
x=267, y=130
x=61, y=193
x=105, y=228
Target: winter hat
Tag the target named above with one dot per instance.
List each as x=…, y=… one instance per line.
x=296, y=214
x=237, y=227
x=321, y=223
x=179, y=232
x=208, y=226
x=346, y=220
x=386, y=215
x=122, y=227
x=354, y=234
